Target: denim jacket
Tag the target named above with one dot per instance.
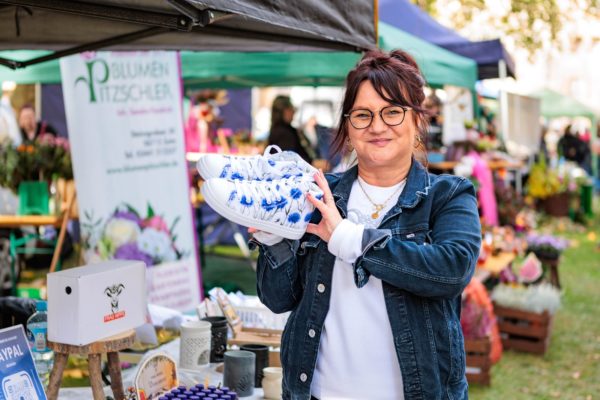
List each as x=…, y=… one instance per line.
x=424, y=251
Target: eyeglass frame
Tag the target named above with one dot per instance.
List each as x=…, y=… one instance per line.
x=404, y=109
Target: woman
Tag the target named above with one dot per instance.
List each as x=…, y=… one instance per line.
x=374, y=286
x=31, y=129
x=283, y=134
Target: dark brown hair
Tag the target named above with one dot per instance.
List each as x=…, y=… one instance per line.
x=280, y=104
x=396, y=78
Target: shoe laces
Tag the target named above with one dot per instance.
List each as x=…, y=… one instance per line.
x=253, y=166
x=264, y=167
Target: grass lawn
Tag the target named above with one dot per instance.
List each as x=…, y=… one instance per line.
x=571, y=367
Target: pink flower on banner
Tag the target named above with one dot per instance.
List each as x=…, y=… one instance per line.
x=157, y=223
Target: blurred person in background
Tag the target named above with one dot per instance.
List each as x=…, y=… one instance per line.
x=284, y=135
x=572, y=148
x=9, y=129
x=433, y=105
x=31, y=128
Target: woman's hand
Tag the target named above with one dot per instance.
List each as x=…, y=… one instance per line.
x=331, y=215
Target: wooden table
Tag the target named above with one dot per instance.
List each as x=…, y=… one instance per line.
x=18, y=221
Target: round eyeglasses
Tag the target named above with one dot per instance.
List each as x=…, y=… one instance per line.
x=362, y=118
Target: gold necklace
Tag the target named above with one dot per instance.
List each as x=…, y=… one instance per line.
x=380, y=206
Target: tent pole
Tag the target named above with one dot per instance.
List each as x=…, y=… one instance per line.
x=503, y=100
x=594, y=144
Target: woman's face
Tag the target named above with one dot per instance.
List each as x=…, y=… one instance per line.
x=288, y=114
x=381, y=145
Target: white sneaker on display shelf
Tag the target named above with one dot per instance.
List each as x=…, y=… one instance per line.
x=282, y=164
x=279, y=207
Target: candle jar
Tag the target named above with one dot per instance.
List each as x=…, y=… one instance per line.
x=271, y=383
x=218, y=338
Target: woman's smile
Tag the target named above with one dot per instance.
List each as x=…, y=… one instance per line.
x=380, y=142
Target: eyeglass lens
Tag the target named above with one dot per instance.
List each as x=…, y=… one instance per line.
x=392, y=115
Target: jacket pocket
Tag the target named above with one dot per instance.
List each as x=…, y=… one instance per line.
x=457, y=351
x=309, y=244
x=416, y=233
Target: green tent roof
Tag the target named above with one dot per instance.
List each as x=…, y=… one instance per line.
x=554, y=104
x=238, y=69
x=440, y=66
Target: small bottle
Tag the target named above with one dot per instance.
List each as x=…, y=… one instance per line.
x=37, y=325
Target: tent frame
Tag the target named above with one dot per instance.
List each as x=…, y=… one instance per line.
x=189, y=19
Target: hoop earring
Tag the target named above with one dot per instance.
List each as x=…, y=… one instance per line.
x=418, y=141
x=349, y=146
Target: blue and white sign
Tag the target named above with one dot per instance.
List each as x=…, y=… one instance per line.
x=19, y=379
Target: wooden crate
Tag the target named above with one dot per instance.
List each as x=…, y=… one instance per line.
x=523, y=330
x=478, y=361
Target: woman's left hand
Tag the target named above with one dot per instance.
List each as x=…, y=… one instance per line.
x=330, y=215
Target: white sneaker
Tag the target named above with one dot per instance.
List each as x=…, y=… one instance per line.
x=279, y=207
x=282, y=164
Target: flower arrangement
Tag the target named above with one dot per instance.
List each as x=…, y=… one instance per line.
x=46, y=158
x=546, y=246
x=127, y=236
x=475, y=321
x=533, y=298
x=543, y=181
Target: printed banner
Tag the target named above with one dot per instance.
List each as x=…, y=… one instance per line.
x=126, y=131
x=17, y=370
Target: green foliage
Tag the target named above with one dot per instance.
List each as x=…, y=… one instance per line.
x=42, y=160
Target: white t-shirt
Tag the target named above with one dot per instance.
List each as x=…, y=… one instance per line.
x=357, y=357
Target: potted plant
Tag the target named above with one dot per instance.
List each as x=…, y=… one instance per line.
x=548, y=188
x=546, y=247
x=30, y=169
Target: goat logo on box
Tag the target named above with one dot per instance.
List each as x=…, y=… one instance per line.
x=113, y=293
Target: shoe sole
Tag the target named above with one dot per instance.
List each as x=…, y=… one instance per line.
x=230, y=214
x=202, y=166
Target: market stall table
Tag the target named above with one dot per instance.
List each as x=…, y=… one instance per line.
x=20, y=221
x=186, y=377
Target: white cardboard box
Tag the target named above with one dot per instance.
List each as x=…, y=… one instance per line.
x=93, y=302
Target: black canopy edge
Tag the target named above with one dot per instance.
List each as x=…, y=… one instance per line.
x=13, y=64
x=114, y=13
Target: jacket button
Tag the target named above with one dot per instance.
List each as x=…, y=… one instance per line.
x=303, y=377
x=321, y=288
x=311, y=333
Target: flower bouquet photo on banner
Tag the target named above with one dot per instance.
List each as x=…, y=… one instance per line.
x=127, y=235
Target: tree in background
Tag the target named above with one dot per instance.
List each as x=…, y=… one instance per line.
x=532, y=24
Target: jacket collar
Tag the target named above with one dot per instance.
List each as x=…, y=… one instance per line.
x=417, y=187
